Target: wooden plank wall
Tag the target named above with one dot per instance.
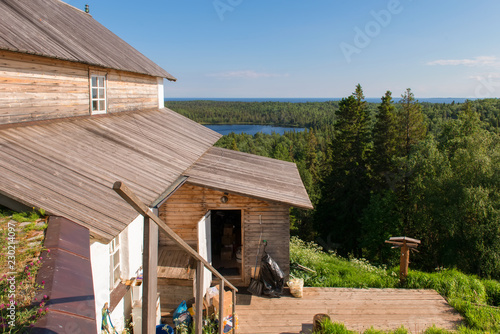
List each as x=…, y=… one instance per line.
x=130, y=91
x=39, y=88
x=188, y=205
x=35, y=88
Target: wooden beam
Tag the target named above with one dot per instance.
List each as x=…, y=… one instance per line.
x=407, y=239
x=150, y=282
x=142, y=209
x=399, y=244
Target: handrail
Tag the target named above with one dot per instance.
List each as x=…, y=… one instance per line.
x=127, y=194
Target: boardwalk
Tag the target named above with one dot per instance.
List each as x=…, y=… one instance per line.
x=358, y=309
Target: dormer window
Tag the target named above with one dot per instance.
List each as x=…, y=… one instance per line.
x=98, y=94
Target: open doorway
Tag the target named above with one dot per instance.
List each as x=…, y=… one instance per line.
x=226, y=241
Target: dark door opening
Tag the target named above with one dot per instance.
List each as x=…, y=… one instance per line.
x=226, y=241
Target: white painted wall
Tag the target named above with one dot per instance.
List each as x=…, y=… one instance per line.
x=131, y=244
x=161, y=94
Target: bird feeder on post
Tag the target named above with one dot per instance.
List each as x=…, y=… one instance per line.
x=405, y=244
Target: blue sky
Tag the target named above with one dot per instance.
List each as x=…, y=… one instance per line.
x=320, y=48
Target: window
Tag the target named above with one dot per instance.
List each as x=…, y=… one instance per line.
x=114, y=256
x=98, y=91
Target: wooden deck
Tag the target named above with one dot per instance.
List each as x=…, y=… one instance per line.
x=358, y=309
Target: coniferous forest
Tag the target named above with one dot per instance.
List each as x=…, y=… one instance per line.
x=429, y=171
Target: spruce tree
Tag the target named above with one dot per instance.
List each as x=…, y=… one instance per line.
x=385, y=145
x=412, y=129
x=345, y=190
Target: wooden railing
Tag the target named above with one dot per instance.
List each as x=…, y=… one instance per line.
x=202, y=263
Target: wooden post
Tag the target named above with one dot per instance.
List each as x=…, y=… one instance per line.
x=234, y=312
x=200, y=268
x=405, y=244
x=221, y=307
x=149, y=282
x=404, y=262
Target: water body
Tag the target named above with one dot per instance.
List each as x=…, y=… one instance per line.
x=224, y=129
x=315, y=99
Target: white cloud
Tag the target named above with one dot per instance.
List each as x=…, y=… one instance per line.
x=476, y=61
x=248, y=74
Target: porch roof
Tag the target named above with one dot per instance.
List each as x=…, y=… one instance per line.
x=68, y=166
x=250, y=175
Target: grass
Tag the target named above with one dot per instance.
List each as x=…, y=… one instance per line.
x=476, y=299
x=20, y=260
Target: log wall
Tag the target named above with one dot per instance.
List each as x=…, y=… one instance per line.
x=184, y=209
x=38, y=88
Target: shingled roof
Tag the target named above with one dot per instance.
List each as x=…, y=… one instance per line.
x=250, y=175
x=68, y=166
x=54, y=29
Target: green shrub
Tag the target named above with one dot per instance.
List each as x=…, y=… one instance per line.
x=492, y=288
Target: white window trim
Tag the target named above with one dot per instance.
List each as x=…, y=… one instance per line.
x=114, y=249
x=98, y=99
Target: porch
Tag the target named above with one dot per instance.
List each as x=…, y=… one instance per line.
x=358, y=309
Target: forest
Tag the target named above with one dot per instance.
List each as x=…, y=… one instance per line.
x=374, y=170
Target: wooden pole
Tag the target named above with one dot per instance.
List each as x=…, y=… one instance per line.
x=221, y=308
x=149, y=282
x=404, y=262
x=234, y=312
x=200, y=268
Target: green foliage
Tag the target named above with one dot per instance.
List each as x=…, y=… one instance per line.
x=332, y=270
x=24, y=264
x=329, y=327
x=307, y=115
x=386, y=144
x=345, y=189
x=22, y=217
x=450, y=283
x=492, y=290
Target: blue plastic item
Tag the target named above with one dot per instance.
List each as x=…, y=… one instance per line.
x=163, y=329
x=181, y=315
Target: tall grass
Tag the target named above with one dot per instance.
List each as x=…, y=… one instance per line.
x=476, y=299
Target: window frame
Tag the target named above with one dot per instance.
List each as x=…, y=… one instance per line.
x=115, y=262
x=100, y=96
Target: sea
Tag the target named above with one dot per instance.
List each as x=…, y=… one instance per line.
x=313, y=99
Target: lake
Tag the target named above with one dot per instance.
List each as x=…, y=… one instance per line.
x=226, y=129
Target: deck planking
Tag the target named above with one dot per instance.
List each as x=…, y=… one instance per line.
x=358, y=309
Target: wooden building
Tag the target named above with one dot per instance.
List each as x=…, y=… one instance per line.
x=80, y=109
